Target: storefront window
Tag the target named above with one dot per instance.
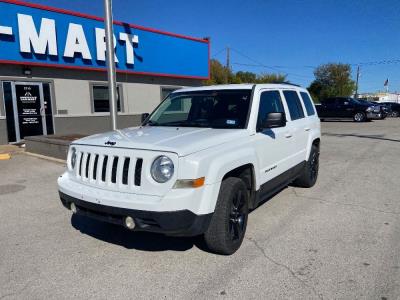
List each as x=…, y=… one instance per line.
x=100, y=98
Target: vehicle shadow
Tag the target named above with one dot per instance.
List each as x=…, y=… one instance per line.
x=144, y=241
x=342, y=121
x=374, y=137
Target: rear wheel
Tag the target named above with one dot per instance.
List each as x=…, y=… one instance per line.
x=359, y=117
x=228, y=225
x=309, y=175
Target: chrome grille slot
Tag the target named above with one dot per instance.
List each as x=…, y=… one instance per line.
x=125, y=171
x=80, y=164
x=138, y=171
x=96, y=160
x=104, y=168
x=114, y=170
x=87, y=165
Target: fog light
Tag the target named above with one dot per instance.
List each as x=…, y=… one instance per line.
x=130, y=223
x=73, y=208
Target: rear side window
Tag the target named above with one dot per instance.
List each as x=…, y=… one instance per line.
x=308, y=104
x=270, y=102
x=294, y=105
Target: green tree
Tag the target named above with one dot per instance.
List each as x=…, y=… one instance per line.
x=271, y=78
x=246, y=77
x=219, y=73
x=223, y=75
x=332, y=80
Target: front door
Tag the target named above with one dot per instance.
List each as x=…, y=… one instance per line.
x=29, y=110
x=273, y=146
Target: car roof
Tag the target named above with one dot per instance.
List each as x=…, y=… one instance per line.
x=242, y=86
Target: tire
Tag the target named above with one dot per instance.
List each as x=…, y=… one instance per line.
x=309, y=175
x=395, y=114
x=359, y=117
x=228, y=225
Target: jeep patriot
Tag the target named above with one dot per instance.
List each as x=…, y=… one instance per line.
x=198, y=164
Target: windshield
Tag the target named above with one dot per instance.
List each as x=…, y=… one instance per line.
x=212, y=109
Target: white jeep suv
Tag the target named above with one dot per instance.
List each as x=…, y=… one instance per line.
x=199, y=163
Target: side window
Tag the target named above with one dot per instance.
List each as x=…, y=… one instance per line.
x=308, y=103
x=270, y=102
x=294, y=105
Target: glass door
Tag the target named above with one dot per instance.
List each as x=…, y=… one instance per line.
x=29, y=109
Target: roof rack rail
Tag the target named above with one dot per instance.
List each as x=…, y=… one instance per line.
x=289, y=83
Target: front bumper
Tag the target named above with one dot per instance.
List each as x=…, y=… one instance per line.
x=374, y=115
x=176, y=223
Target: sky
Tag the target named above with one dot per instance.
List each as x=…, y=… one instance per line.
x=287, y=37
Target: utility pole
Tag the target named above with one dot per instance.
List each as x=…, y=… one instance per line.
x=110, y=53
x=228, y=58
x=228, y=63
x=358, y=76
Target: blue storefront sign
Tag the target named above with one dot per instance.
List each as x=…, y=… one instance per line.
x=31, y=34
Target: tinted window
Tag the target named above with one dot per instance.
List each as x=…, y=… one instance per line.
x=269, y=102
x=308, y=104
x=100, y=99
x=329, y=101
x=294, y=105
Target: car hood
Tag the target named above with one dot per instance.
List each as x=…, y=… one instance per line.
x=180, y=140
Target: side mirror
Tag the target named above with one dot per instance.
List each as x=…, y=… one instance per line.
x=145, y=116
x=274, y=120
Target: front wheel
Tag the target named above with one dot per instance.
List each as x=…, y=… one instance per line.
x=228, y=225
x=359, y=117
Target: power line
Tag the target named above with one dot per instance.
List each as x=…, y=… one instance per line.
x=218, y=52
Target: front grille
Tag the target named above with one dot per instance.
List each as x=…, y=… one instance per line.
x=103, y=169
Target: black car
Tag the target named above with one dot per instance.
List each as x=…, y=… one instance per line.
x=347, y=107
x=395, y=109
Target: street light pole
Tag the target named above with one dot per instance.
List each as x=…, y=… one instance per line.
x=110, y=53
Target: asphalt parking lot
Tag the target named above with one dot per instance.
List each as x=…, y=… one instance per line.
x=338, y=240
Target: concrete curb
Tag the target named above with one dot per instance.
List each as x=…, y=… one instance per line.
x=57, y=160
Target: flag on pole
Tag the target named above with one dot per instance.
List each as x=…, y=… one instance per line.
x=386, y=82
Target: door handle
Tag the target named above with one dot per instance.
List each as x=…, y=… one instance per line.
x=288, y=135
x=307, y=129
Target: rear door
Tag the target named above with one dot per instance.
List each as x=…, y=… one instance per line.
x=299, y=127
x=344, y=108
x=330, y=108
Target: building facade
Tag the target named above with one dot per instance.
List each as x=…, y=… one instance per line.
x=381, y=97
x=53, y=74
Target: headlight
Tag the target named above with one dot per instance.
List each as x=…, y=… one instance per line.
x=162, y=169
x=73, y=157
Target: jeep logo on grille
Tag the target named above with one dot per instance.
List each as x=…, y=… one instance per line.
x=110, y=143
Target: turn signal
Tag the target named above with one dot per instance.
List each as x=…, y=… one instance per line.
x=189, y=183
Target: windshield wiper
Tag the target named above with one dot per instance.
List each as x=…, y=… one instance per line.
x=151, y=123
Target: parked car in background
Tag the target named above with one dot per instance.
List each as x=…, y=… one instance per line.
x=394, y=107
x=348, y=108
x=384, y=109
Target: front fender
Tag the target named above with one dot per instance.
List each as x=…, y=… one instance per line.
x=214, y=165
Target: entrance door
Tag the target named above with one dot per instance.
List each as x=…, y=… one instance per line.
x=29, y=111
